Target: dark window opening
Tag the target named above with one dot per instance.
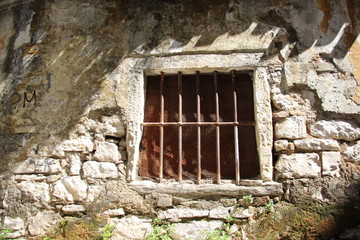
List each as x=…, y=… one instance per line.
x=199, y=126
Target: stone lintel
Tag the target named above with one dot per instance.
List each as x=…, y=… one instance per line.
x=207, y=190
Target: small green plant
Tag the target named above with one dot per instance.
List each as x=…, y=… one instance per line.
x=224, y=233
x=161, y=230
x=246, y=201
x=4, y=233
x=47, y=238
x=270, y=206
x=106, y=232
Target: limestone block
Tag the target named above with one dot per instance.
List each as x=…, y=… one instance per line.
x=13, y=223
x=41, y=222
x=35, y=192
x=106, y=152
x=16, y=224
x=220, y=213
x=42, y=166
x=293, y=75
x=331, y=163
x=71, y=209
x=228, y=202
x=281, y=145
x=113, y=126
x=352, y=153
x=114, y=212
x=243, y=213
x=195, y=229
x=77, y=145
x=298, y=165
x=317, y=144
x=164, y=202
x=292, y=128
x=131, y=228
x=178, y=213
x=71, y=189
x=335, y=129
x=75, y=164
x=94, y=192
x=94, y=169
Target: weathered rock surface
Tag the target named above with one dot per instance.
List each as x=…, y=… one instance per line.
x=317, y=144
x=281, y=145
x=177, y=213
x=196, y=229
x=71, y=189
x=106, y=152
x=307, y=165
x=44, y=166
x=352, y=153
x=291, y=128
x=220, y=213
x=104, y=170
x=335, y=129
x=131, y=228
x=331, y=163
x=41, y=222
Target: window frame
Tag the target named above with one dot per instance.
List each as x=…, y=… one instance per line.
x=132, y=74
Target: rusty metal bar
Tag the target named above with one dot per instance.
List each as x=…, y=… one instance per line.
x=180, y=126
x=242, y=124
x=218, y=170
x=236, y=137
x=161, y=167
x=198, y=126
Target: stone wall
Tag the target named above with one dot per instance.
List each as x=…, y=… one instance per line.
x=72, y=90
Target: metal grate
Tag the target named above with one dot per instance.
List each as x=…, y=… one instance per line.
x=199, y=126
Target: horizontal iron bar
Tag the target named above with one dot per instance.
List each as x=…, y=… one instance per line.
x=198, y=124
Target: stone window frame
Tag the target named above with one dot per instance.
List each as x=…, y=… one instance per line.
x=130, y=92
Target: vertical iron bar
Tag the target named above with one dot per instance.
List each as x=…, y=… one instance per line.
x=180, y=127
x=198, y=127
x=218, y=170
x=236, y=138
x=161, y=170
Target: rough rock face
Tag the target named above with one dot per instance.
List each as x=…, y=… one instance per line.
x=73, y=85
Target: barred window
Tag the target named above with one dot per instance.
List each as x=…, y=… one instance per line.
x=199, y=127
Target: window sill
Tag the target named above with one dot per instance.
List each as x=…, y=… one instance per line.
x=247, y=187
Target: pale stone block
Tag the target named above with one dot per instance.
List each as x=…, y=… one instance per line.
x=36, y=192
x=335, y=129
x=71, y=189
x=331, y=163
x=317, y=144
x=219, y=213
x=75, y=164
x=281, y=145
x=352, y=153
x=293, y=75
x=114, y=212
x=76, y=187
x=42, y=166
x=15, y=223
x=131, y=228
x=164, y=202
x=292, y=128
x=94, y=169
x=77, y=145
x=229, y=202
x=243, y=213
x=95, y=192
x=41, y=222
x=178, y=213
x=298, y=165
x=113, y=126
x=106, y=152
x=71, y=209
x=195, y=229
